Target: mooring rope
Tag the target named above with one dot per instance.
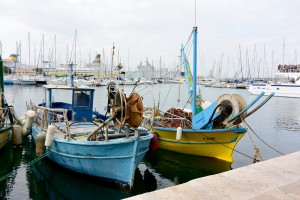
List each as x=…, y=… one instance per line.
x=256, y=153
x=262, y=139
x=26, y=166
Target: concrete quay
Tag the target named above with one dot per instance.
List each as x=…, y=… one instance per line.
x=277, y=178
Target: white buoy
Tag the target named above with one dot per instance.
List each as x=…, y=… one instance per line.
x=50, y=135
x=22, y=118
x=23, y=121
x=178, y=133
x=26, y=129
x=17, y=135
x=40, y=144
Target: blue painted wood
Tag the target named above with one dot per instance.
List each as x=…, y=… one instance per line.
x=260, y=105
x=247, y=107
x=202, y=118
x=194, y=71
x=115, y=159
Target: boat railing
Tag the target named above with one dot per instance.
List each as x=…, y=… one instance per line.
x=56, y=116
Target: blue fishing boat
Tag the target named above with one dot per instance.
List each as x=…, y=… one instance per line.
x=82, y=140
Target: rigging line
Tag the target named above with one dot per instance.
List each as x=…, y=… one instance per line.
x=195, y=12
x=189, y=48
x=73, y=44
x=174, y=69
x=249, y=133
x=188, y=101
x=189, y=39
x=26, y=166
x=262, y=139
x=167, y=95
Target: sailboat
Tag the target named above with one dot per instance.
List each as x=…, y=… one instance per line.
x=210, y=129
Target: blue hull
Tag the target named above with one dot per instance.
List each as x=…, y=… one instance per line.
x=115, y=159
x=8, y=82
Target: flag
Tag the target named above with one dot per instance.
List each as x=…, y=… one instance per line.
x=187, y=70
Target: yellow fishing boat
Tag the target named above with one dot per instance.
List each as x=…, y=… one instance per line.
x=209, y=129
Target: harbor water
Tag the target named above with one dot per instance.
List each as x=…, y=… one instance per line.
x=277, y=125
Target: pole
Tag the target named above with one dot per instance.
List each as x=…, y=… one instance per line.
x=1, y=75
x=194, y=71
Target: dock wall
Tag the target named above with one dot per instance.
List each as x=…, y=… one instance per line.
x=277, y=178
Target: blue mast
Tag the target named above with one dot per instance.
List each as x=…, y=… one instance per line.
x=194, y=71
x=71, y=75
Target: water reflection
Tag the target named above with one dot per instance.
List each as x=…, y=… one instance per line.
x=180, y=168
x=54, y=182
x=51, y=181
x=11, y=158
x=6, y=160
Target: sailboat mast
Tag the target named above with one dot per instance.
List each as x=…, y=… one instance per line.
x=1, y=79
x=29, y=49
x=283, y=51
x=194, y=71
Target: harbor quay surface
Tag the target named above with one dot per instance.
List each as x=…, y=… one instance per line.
x=277, y=178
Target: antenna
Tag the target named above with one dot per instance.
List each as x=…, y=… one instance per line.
x=29, y=48
x=283, y=51
x=195, y=12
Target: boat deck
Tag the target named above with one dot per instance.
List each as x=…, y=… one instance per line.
x=80, y=131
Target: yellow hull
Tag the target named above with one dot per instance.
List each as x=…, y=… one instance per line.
x=210, y=143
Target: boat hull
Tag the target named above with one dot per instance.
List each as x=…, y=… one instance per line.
x=113, y=159
x=5, y=133
x=217, y=143
x=280, y=90
x=27, y=82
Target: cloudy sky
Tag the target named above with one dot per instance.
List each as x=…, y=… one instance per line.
x=143, y=29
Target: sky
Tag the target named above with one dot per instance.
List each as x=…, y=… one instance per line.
x=227, y=29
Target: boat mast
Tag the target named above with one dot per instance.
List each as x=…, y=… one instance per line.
x=71, y=74
x=29, y=49
x=1, y=78
x=283, y=51
x=194, y=71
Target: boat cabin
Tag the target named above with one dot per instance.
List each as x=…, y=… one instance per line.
x=77, y=100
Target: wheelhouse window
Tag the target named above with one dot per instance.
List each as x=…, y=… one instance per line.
x=82, y=98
